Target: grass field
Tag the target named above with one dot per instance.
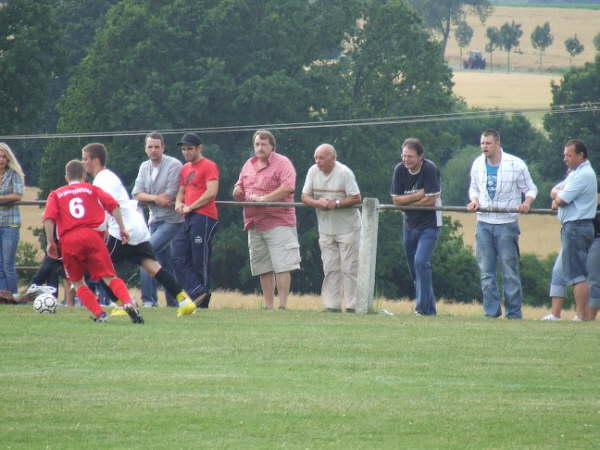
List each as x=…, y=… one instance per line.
x=230, y=378
x=564, y=23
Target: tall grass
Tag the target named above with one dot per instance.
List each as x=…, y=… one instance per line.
x=249, y=378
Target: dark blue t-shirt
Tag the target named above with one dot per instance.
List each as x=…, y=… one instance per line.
x=428, y=179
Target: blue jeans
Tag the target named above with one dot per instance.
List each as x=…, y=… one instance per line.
x=593, y=267
x=576, y=238
x=499, y=242
x=191, y=253
x=162, y=233
x=419, y=245
x=9, y=238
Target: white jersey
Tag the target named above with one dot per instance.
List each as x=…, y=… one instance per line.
x=133, y=219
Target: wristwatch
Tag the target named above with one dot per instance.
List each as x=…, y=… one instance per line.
x=337, y=204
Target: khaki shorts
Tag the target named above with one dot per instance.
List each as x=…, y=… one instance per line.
x=275, y=250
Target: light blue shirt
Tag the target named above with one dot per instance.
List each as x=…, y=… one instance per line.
x=580, y=192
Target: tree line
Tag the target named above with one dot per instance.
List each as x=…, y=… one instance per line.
x=116, y=65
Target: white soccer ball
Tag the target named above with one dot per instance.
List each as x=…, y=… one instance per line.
x=45, y=303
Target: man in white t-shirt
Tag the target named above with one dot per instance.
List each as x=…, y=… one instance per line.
x=331, y=189
x=138, y=249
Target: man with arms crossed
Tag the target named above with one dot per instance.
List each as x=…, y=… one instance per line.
x=76, y=211
x=156, y=186
x=576, y=199
x=499, y=180
x=417, y=182
x=198, y=188
x=137, y=249
x=331, y=189
x=272, y=237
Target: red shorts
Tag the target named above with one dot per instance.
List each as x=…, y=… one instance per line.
x=83, y=250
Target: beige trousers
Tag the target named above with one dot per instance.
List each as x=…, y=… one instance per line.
x=339, y=253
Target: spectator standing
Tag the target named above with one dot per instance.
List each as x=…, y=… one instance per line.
x=195, y=201
x=499, y=180
x=12, y=182
x=576, y=200
x=417, y=182
x=156, y=187
x=272, y=237
x=331, y=189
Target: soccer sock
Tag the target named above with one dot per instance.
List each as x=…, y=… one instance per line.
x=89, y=299
x=171, y=285
x=120, y=290
x=111, y=294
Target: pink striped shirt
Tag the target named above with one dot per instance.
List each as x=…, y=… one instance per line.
x=279, y=171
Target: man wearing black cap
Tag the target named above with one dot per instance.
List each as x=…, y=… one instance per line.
x=198, y=187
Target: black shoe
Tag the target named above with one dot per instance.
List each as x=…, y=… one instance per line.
x=205, y=300
x=133, y=313
x=350, y=310
x=332, y=310
x=103, y=317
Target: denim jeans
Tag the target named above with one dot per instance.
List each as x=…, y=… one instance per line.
x=499, y=242
x=162, y=233
x=419, y=245
x=558, y=283
x=575, y=239
x=9, y=238
x=593, y=268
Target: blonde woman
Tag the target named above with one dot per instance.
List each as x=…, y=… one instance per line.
x=12, y=181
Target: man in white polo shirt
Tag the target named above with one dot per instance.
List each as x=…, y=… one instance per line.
x=331, y=189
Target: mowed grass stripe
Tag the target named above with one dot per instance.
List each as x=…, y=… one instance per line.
x=234, y=378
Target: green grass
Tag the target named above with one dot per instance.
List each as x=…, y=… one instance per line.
x=235, y=378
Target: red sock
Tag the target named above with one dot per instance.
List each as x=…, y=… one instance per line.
x=89, y=299
x=120, y=290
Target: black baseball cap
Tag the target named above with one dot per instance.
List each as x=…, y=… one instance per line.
x=190, y=139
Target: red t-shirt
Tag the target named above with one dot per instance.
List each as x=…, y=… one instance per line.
x=193, y=178
x=78, y=205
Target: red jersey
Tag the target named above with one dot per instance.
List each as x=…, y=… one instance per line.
x=193, y=178
x=78, y=205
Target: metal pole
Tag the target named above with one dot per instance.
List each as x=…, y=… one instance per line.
x=367, y=255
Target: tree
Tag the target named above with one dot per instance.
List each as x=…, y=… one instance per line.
x=574, y=47
x=463, y=34
x=578, y=86
x=30, y=57
x=440, y=15
x=509, y=38
x=494, y=42
x=541, y=39
x=597, y=42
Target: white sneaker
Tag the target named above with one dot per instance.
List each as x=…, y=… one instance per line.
x=35, y=289
x=550, y=317
x=577, y=319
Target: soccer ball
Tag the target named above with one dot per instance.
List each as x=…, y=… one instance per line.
x=45, y=303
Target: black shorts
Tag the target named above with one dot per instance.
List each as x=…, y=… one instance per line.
x=131, y=253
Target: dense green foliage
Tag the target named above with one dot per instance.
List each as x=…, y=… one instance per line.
x=579, y=86
x=234, y=378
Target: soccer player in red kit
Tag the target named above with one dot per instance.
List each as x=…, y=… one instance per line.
x=77, y=210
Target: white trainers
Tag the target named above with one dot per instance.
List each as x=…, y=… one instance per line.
x=550, y=317
x=577, y=319
x=35, y=289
